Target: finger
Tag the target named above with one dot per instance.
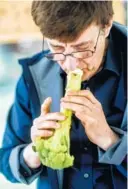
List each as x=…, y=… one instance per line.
x=56, y=116
x=85, y=93
x=45, y=107
x=72, y=106
x=78, y=100
x=41, y=133
x=48, y=125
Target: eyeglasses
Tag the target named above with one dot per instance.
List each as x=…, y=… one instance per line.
x=79, y=54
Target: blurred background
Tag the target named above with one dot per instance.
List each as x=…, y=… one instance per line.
x=19, y=37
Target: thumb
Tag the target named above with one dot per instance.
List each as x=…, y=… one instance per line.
x=45, y=107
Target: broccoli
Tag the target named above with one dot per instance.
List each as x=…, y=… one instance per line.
x=54, y=152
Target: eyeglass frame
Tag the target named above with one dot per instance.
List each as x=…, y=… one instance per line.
x=71, y=54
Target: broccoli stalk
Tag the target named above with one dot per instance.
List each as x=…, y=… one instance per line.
x=54, y=152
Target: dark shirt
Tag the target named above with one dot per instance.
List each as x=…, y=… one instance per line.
x=87, y=172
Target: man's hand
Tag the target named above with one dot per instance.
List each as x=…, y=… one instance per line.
x=47, y=122
x=44, y=127
x=89, y=110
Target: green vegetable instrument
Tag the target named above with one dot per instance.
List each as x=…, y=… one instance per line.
x=54, y=152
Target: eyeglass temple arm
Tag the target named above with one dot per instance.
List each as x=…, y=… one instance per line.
x=97, y=41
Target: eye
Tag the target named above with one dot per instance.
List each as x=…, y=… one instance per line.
x=55, y=47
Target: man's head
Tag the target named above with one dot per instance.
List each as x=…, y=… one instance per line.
x=72, y=26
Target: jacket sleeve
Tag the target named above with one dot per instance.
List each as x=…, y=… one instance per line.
x=16, y=138
x=117, y=153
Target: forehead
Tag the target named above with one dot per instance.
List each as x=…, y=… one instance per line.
x=87, y=35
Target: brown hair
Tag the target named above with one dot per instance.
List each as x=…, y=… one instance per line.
x=66, y=20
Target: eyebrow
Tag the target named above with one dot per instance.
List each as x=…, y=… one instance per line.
x=81, y=44
x=77, y=45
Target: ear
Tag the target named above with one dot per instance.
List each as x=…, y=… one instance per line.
x=107, y=28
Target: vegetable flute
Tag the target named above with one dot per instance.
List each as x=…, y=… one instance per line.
x=54, y=152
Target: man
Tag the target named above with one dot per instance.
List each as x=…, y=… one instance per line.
x=80, y=35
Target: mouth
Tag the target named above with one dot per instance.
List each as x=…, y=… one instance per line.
x=88, y=69
x=85, y=69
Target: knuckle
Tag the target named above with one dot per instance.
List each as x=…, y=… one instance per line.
x=32, y=129
x=33, y=137
x=99, y=105
x=82, y=109
x=35, y=121
x=33, y=133
x=87, y=92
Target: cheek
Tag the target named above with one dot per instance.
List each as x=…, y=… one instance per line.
x=89, y=61
x=94, y=60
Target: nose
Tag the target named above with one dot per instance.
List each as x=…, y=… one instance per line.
x=70, y=63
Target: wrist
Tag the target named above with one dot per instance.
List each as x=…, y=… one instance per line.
x=31, y=158
x=109, y=141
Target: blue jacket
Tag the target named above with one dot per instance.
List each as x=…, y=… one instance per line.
x=33, y=87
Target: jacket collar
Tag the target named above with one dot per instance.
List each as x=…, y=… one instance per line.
x=115, y=63
x=111, y=61
x=46, y=75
